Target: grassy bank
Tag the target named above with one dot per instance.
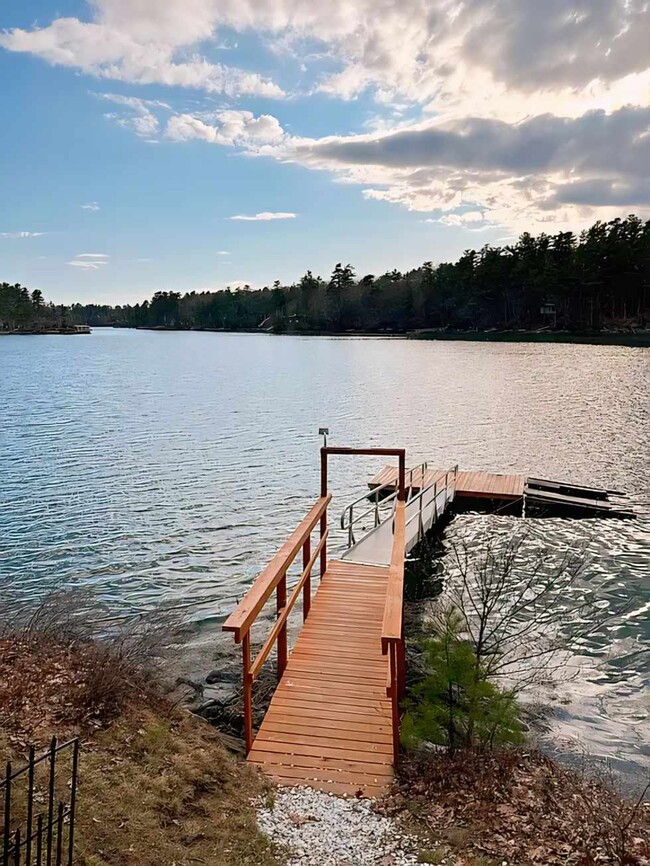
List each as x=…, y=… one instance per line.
x=156, y=785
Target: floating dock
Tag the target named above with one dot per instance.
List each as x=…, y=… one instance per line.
x=480, y=491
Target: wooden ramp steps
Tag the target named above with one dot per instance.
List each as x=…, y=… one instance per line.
x=329, y=724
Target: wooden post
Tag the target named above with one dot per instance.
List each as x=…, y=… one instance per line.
x=394, y=697
x=281, y=603
x=248, y=692
x=306, y=593
x=323, y=520
x=401, y=668
x=401, y=495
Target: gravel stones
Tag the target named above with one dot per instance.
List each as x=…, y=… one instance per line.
x=323, y=830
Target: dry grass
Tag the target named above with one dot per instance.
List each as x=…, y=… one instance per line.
x=156, y=785
x=153, y=792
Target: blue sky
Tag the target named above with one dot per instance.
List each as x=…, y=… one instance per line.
x=380, y=134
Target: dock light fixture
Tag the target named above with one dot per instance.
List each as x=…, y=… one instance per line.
x=324, y=432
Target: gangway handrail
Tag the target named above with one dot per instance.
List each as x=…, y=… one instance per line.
x=348, y=511
x=274, y=577
x=453, y=472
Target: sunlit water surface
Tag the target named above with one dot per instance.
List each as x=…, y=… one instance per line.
x=168, y=466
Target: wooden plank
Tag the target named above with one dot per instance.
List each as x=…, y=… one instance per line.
x=333, y=765
x=370, y=734
x=299, y=747
x=315, y=703
x=348, y=690
x=336, y=658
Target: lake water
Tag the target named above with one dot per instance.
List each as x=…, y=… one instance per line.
x=168, y=466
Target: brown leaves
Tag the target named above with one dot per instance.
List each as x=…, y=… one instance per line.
x=521, y=807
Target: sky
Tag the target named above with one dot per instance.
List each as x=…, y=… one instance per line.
x=199, y=144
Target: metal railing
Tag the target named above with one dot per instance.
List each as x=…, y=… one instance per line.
x=39, y=839
x=348, y=517
x=446, y=482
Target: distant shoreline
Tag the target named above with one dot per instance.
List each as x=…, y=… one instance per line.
x=606, y=338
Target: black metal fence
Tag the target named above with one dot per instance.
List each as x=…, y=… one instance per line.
x=35, y=836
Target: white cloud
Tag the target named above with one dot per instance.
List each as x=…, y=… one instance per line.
x=454, y=220
x=89, y=261
x=228, y=127
x=139, y=117
x=141, y=43
x=20, y=235
x=223, y=253
x=264, y=216
x=86, y=265
x=92, y=205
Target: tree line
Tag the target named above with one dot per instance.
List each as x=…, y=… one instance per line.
x=564, y=281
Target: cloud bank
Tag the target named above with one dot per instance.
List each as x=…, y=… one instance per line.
x=531, y=114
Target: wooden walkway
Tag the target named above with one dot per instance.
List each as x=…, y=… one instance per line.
x=329, y=724
x=333, y=722
x=480, y=485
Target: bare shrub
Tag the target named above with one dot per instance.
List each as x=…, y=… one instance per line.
x=63, y=662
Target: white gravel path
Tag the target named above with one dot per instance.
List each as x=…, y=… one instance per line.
x=323, y=830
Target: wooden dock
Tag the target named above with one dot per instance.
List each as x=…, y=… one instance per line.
x=333, y=722
x=329, y=723
x=480, y=485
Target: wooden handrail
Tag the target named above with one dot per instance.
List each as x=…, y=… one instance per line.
x=286, y=610
x=274, y=577
x=391, y=629
x=392, y=638
x=245, y=614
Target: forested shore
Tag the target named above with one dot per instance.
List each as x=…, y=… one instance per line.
x=559, y=284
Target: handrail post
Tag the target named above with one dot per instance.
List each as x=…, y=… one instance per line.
x=306, y=593
x=394, y=689
x=281, y=601
x=402, y=477
x=401, y=668
x=248, y=692
x=323, y=520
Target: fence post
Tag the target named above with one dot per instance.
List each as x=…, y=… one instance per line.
x=50, y=804
x=30, y=805
x=7, y=819
x=73, y=800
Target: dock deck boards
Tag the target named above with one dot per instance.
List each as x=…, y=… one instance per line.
x=329, y=723
x=491, y=485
